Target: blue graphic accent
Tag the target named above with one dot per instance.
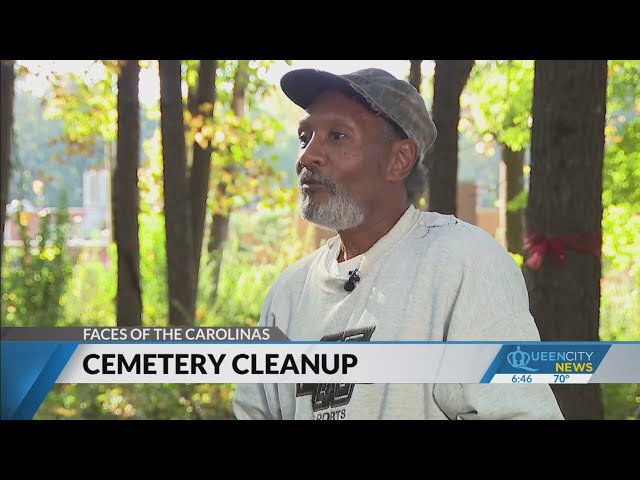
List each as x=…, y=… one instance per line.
x=501, y=356
x=29, y=370
x=520, y=359
x=578, y=358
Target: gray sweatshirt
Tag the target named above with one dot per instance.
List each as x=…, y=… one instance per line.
x=432, y=277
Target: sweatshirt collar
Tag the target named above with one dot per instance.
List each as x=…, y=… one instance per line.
x=407, y=222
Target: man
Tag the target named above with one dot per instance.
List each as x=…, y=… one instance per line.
x=392, y=273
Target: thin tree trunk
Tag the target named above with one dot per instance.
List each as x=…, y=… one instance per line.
x=218, y=235
x=240, y=82
x=176, y=197
x=7, y=81
x=220, y=222
x=450, y=78
x=415, y=73
x=125, y=186
x=201, y=166
x=513, y=178
x=565, y=198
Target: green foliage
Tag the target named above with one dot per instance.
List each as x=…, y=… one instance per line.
x=497, y=104
x=519, y=259
x=620, y=246
x=88, y=110
x=90, y=298
x=622, y=86
x=150, y=180
x=500, y=94
x=60, y=135
x=35, y=277
x=240, y=175
x=621, y=201
x=518, y=202
x=245, y=176
x=621, y=401
x=621, y=174
x=620, y=298
x=257, y=86
x=153, y=270
x=137, y=401
x=619, y=307
x=496, y=108
x=263, y=244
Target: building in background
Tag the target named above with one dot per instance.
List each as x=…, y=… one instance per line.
x=95, y=205
x=89, y=223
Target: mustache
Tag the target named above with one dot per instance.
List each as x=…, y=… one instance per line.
x=309, y=176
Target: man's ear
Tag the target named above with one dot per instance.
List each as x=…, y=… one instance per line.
x=404, y=154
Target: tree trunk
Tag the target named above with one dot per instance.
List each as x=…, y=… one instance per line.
x=125, y=186
x=513, y=184
x=7, y=80
x=240, y=82
x=201, y=166
x=565, y=198
x=415, y=74
x=220, y=221
x=218, y=234
x=176, y=197
x=450, y=78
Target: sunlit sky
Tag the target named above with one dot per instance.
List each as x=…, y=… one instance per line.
x=149, y=81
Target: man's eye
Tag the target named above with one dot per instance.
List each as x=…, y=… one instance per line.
x=336, y=136
x=304, y=139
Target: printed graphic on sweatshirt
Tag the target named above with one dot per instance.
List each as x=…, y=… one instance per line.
x=333, y=395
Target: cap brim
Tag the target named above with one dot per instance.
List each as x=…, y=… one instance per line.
x=302, y=86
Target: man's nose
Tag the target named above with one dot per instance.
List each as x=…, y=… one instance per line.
x=312, y=155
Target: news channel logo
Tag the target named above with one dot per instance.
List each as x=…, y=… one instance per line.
x=550, y=359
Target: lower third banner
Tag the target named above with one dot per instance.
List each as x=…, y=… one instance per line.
x=31, y=365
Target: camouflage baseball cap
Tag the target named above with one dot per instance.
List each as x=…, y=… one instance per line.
x=392, y=98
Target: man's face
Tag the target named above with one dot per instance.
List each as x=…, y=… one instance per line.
x=341, y=160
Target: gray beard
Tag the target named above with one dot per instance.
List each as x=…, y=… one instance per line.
x=338, y=212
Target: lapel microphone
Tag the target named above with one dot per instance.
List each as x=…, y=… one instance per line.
x=354, y=278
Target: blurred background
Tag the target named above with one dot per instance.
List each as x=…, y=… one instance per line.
x=163, y=193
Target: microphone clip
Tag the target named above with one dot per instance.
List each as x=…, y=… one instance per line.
x=354, y=278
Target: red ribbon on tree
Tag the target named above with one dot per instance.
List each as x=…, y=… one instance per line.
x=538, y=245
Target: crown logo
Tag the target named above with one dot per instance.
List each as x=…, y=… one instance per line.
x=520, y=360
